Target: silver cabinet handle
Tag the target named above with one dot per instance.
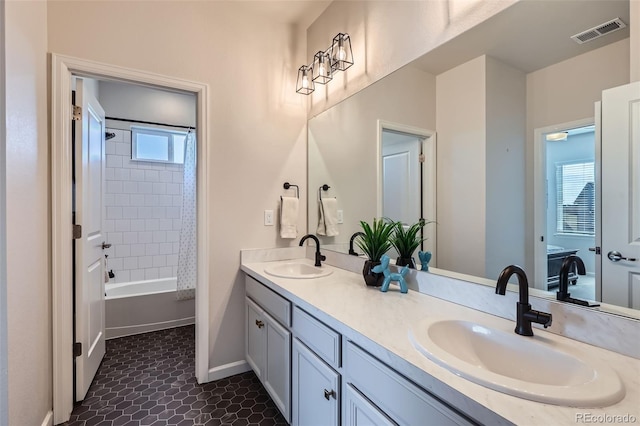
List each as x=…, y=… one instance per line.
x=616, y=256
x=105, y=245
x=328, y=394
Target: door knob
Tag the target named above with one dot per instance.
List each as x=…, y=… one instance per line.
x=328, y=394
x=105, y=245
x=616, y=256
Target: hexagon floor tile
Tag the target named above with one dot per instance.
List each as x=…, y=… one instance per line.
x=148, y=379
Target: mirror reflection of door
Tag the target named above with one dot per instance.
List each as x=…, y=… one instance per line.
x=401, y=178
x=571, y=212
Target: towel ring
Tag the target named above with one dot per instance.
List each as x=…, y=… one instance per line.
x=288, y=185
x=324, y=187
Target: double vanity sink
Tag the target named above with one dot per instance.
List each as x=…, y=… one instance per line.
x=429, y=339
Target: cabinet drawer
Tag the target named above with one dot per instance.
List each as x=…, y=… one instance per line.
x=277, y=306
x=321, y=339
x=400, y=399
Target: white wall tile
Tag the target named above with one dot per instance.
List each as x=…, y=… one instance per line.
x=172, y=260
x=137, y=250
x=138, y=225
x=159, y=261
x=123, y=250
x=109, y=199
x=137, y=275
x=145, y=188
x=152, y=249
x=173, y=212
x=145, y=212
x=151, y=225
x=114, y=187
x=120, y=200
x=114, y=212
x=137, y=175
x=178, y=177
x=115, y=264
x=151, y=176
x=129, y=212
x=174, y=188
x=165, y=272
x=159, y=188
x=177, y=224
x=114, y=160
x=165, y=224
x=159, y=212
x=160, y=236
x=130, y=263
x=137, y=200
x=151, y=200
x=130, y=187
x=145, y=237
x=165, y=200
x=165, y=176
x=173, y=236
x=145, y=262
x=122, y=174
x=109, y=225
x=123, y=149
x=123, y=225
x=166, y=248
x=110, y=147
x=177, y=200
x=109, y=173
x=119, y=135
x=115, y=237
x=129, y=238
x=151, y=274
x=123, y=276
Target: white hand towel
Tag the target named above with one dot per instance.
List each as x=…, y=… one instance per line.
x=289, y=217
x=328, y=217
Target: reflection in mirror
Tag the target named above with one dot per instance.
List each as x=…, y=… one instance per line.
x=479, y=97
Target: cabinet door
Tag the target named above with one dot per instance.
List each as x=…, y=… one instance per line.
x=256, y=339
x=361, y=412
x=277, y=372
x=315, y=389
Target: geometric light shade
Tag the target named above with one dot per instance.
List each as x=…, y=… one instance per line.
x=560, y=136
x=305, y=83
x=341, y=54
x=322, y=72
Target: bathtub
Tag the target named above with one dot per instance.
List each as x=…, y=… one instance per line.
x=142, y=306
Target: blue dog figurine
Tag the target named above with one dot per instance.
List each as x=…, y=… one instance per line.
x=391, y=276
x=425, y=257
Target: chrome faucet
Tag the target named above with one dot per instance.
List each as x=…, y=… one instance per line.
x=352, y=252
x=319, y=256
x=524, y=314
x=563, y=287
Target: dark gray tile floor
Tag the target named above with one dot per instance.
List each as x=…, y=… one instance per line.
x=148, y=379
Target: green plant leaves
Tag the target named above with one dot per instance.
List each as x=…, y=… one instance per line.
x=376, y=240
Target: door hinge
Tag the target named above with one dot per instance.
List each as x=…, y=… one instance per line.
x=421, y=158
x=77, y=231
x=77, y=113
x=77, y=349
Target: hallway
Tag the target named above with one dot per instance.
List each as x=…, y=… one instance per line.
x=148, y=379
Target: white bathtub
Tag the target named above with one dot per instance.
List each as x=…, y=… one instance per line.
x=142, y=306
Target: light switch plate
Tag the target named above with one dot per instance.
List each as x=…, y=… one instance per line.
x=268, y=217
x=340, y=216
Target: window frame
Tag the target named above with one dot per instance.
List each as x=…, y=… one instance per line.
x=559, y=206
x=135, y=130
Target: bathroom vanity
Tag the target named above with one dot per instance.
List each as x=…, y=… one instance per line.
x=331, y=351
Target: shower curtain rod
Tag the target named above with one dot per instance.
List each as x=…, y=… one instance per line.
x=178, y=126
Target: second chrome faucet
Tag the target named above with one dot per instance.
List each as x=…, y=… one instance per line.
x=524, y=314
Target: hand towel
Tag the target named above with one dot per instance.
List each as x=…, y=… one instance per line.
x=289, y=217
x=328, y=217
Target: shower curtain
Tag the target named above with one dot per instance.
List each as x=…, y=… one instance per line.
x=187, y=254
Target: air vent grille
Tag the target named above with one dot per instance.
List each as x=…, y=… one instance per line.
x=599, y=31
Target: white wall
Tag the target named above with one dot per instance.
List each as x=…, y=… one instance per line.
x=566, y=92
x=387, y=35
x=28, y=223
x=3, y=236
x=257, y=120
x=343, y=150
x=634, y=11
x=461, y=125
x=147, y=104
x=505, y=183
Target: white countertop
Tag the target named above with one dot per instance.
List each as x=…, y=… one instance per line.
x=380, y=322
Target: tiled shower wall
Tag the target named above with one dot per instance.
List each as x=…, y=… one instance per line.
x=143, y=202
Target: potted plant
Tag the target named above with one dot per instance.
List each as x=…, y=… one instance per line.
x=375, y=242
x=406, y=241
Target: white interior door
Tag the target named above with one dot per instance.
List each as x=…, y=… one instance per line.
x=401, y=184
x=89, y=256
x=621, y=196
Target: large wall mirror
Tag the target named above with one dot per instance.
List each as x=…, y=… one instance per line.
x=480, y=113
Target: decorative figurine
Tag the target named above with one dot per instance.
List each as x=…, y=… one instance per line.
x=425, y=257
x=391, y=276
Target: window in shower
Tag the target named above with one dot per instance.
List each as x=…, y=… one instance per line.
x=156, y=145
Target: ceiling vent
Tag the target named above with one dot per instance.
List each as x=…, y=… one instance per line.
x=599, y=31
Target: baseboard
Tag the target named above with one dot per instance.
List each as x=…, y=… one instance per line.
x=115, y=332
x=226, y=370
x=48, y=419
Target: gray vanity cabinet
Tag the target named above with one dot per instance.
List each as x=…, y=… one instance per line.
x=268, y=343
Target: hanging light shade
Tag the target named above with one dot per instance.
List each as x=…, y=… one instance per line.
x=305, y=83
x=341, y=54
x=322, y=72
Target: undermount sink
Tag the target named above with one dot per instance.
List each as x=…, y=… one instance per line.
x=516, y=365
x=298, y=270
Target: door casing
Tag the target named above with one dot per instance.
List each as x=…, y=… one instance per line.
x=62, y=69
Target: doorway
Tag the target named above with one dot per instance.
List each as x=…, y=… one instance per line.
x=407, y=179
x=63, y=69
x=567, y=216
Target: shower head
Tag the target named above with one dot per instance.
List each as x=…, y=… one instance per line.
x=109, y=135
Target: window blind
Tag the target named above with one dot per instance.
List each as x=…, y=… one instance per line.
x=576, y=198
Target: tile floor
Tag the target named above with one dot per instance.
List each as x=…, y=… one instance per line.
x=148, y=379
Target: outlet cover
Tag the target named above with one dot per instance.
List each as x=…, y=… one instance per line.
x=268, y=217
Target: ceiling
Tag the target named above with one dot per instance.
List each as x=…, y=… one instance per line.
x=530, y=34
